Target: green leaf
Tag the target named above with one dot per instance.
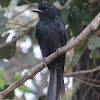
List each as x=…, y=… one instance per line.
x=3, y=39
x=8, y=51
x=3, y=21
x=79, y=2
x=79, y=49
x=51, y=1
x=24, y=88
x=94, y=54
x=64, y=13
x=75, y=20
x=91, y=54
x=17, y=76
x=75, y=59
x=4, y=3
x=43, y=97
x=94, y=43
x=86, y=18
x=1, y=72
x=62, y=2
x=2, y=84
x=22, y=2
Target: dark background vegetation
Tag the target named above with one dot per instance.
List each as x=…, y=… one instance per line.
x=16, y=18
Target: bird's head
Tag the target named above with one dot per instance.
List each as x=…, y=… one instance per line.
x=46, y=10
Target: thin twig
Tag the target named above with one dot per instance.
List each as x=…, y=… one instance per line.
x=16, y=38
x=83, y=72
x=88, y=79
x=87, y=83
x=26, y=25
x=19, y=13
x=95, y=91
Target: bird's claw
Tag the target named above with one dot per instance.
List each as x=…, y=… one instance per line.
x=44, y=61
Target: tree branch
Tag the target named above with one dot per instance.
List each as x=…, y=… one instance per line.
x=19, y=13
x=83, y=72
x=16, y=38
x=87, y=83
x=89, y=79
x=31, y=73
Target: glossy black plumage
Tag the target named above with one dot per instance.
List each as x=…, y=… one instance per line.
x=50, y=35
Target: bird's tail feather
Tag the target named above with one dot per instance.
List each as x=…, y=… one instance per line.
x=56, y=84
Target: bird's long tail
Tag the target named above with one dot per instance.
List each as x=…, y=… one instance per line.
x=56, y=84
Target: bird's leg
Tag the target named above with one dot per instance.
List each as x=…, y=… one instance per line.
x=44, y=61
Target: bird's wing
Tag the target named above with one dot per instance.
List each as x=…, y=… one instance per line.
x=62, y=33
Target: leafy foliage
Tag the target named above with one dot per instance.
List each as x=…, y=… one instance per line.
x=3, y=21
x=79, y=2
x=4, y=3
x=24, y=88
x=8, y=51
x=94, y=43
x=2, y=84
x=75, y=20
x=43, y=97
x=62, y=1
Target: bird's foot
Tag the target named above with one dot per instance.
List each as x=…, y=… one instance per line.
x=44, y=61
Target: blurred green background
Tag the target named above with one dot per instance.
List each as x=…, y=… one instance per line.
x=16, y=18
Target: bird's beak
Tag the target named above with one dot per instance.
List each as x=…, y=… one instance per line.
x=37, y=10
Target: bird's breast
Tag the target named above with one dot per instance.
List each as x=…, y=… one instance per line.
x=47, y=27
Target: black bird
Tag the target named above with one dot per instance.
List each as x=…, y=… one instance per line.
x=50, y=34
